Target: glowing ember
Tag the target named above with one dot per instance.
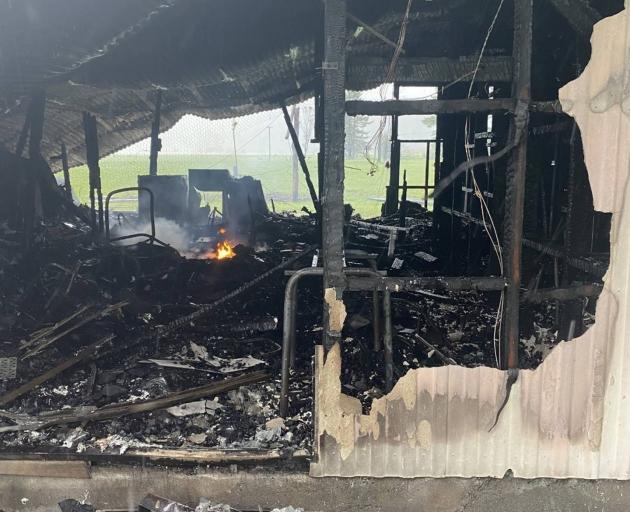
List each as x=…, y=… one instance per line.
x=224, y=250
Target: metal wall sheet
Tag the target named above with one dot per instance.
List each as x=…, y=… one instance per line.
x=569, y=418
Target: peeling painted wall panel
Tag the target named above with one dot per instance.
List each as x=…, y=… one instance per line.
x=569, y=418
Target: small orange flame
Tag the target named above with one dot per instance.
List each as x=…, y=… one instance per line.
x=224, y=250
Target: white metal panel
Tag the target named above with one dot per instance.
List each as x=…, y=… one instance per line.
x=569, y=418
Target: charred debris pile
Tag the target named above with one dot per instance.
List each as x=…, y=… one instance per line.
x=110, y=348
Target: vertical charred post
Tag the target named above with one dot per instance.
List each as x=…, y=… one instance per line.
x=515, y=186
x=92, y=157
x=156, y=143
x=334, y=73
x=67, y=185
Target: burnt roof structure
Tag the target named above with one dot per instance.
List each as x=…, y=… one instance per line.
x=212, y=58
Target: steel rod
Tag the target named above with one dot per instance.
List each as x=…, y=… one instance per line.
x=388, y=349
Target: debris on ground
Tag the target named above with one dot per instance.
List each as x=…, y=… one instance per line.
x=136, y=347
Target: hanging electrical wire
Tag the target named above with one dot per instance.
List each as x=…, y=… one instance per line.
x=486, y=215
x=391, y=73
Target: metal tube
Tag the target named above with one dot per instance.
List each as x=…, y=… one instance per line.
x=388, y=342
x=288, y=327
x=376, y=320
x=426, y=176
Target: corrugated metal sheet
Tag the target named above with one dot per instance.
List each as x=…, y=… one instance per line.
x=568, y=418
x=216, y=59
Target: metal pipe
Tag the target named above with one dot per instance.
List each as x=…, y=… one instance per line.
x=376, y=320
x=151, y=211
x=289, y=320
x=388, y=342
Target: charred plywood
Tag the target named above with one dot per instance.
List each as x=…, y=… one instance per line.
x=566, y=419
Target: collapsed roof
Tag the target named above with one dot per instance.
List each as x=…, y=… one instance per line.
x=216, y=59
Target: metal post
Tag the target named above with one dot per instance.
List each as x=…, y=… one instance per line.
x=388, y=342
x=156, y=143
x=92, y=157
x=66, y=171
x=391, y=200
x=515, y=188
x=376, y=320
x=289, y=322
x=334, y=73
x=426, y=176
x=295, y=123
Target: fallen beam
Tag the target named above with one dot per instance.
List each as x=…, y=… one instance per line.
x=218, y=456
x=179, y=457
x=204, y=310
x=579, y=14
x=300, y=154
x=96, y=315
x=125, y=409
x=53, y=372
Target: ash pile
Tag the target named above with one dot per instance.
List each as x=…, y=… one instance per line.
x=129, y=349
x=108, y=348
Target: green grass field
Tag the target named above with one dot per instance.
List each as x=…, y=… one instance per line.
x=365, y=190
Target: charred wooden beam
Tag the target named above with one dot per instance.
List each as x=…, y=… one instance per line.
x=515, y=180
x=435, y=107
x=302, y=159
x=125, y=409
x=66, y=171
x=579, y=14
x=372, y=71
x=53, y=372
x=92, y=158
x=156, y=143
x=334, y=73
x=182, y=457
x=426, y=107
x=204, y=310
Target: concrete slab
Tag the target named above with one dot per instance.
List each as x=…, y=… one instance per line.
x=124, y=487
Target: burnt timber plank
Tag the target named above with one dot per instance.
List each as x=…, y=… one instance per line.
x=426, y=107
x=515, y=181
x=579, y=14
x=334, y=75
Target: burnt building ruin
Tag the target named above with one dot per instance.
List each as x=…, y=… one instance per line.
x=475, y=328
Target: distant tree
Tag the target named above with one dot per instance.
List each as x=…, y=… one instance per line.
x=429, y=122
x=357, y=130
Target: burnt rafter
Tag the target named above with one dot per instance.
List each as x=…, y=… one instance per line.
x=112, y=64
x=579, y=14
